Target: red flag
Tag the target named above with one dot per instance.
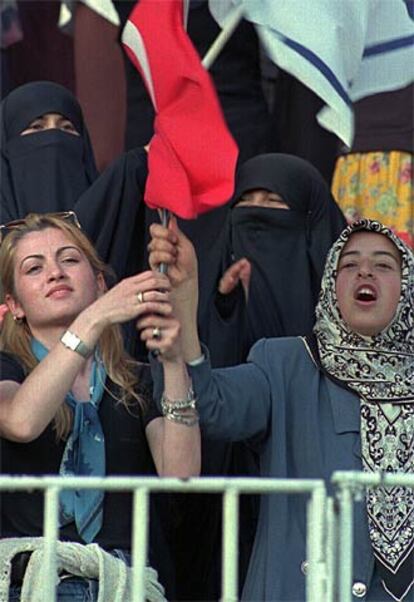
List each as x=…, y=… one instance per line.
x=192, y=156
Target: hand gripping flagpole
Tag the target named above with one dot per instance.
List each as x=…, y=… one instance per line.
x=212, y=53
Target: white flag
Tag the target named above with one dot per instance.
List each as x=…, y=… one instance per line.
x=343, y=50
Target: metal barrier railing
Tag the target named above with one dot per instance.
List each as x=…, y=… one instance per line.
x=350, y=486
x=326, y=526
x=142, y=487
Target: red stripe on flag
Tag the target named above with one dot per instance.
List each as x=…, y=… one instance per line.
x=192, y=156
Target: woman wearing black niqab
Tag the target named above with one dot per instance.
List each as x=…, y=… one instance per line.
x=286, y=248
x=54, y=170
x=48, y=170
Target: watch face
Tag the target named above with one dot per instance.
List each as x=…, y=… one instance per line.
x=70, y=340
x=74, y=343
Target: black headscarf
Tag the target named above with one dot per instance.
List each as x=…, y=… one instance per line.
x=54, y=170
x=48, y=170
x=287, y=248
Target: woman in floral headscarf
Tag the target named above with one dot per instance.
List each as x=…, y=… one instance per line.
x=379, y=367
x=340, y=400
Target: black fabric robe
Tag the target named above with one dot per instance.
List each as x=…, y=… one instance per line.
x=287, y=250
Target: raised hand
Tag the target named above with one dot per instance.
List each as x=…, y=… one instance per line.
x=172, y=247
x=131, y=298
x=241, y=272
x=161, y=333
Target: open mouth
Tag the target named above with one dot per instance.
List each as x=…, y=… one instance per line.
x=365, y=294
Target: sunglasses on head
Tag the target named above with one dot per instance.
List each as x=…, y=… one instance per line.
x=69, y=216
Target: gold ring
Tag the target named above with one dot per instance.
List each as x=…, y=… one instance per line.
x=156, y=333
x=140, y=297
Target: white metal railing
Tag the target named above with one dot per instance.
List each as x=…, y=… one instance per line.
x=350, y=486
x=329, y=531
x=143, y=486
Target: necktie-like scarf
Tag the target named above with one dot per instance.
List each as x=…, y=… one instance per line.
x=84, y=454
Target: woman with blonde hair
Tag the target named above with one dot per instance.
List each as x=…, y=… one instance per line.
x=72, y=402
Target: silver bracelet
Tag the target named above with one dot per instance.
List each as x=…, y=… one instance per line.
x=181, y=411
x=169, y=405
x=186, y=420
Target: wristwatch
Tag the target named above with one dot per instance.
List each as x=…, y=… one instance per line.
x=73, y=342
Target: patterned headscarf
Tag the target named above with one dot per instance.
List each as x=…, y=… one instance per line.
x=380, y=370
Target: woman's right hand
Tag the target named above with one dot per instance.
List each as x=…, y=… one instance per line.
x=161, y=334
x=171, y=247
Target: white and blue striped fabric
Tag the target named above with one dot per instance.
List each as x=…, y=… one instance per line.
x=343, y=50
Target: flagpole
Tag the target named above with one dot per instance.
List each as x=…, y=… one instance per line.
x=217, y=46
x=165, y=218
x=165, y=215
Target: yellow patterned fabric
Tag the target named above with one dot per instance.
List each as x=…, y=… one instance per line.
x=379, y=186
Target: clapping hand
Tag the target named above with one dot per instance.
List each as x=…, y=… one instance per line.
x=241, y=272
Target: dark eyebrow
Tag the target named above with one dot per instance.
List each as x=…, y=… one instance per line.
x=60, y=119
x=63, y=118
x=59, y=252
x=388, y=254
x=376, y=253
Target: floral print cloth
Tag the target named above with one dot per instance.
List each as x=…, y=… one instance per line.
x=380, y=369
x=378, y=186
